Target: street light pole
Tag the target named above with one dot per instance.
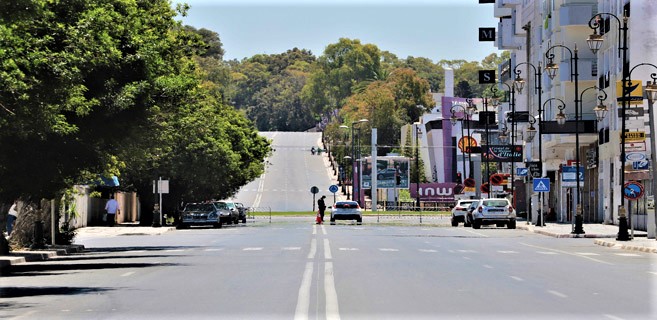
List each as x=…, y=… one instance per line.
x=417, y=166
x=512, y=103
x=453, y=120
x=552, y=68
x=595, y=42
x=355, y=156
x=538, y=89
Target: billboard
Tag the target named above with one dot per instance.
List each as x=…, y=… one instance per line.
x=391, y=172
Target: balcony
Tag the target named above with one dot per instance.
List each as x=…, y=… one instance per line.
x=507, y=39
x=576, y=13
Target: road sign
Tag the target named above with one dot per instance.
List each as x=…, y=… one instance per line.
x=314, y=190
x=569, y=176
x=633, y=190
x=535, y=168
x=641, y=165
x=333, y=188
x=635, y=156
x=635, y=146
x=522, y=172
x=542, y=185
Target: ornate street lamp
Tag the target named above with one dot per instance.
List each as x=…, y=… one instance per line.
x=464, y=148
x=595, y=43
x=519, y=84
x=355, y=154
x=551, y=69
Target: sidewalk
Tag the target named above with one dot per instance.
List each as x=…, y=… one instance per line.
x=604, y=234
x=23, y=256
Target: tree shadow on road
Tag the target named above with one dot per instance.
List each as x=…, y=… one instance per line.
x=18, y=292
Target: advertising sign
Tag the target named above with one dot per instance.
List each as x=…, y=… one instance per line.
x=635, y=91
x=391, y=172
x=437, y=192
x=503, y=153
x=535, y=168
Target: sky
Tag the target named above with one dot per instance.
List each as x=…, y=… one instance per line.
x=434, y=29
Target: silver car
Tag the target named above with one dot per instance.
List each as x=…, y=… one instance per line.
x=346, y=210
x=460, y=211
x=498, y=211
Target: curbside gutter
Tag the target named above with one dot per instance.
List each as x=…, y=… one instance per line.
x=23, y=256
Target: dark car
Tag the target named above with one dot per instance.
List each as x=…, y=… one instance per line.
x=200, y=214
x=243, y=211
x=229, y=212
x=387, y=174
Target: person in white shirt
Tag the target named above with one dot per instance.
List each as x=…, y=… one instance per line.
x=112, y=208
x=11, y=217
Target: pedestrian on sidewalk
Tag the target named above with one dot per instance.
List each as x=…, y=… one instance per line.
x=11, y=217
x=112, y=208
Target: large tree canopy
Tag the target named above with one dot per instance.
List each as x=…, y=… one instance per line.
x=92, y=87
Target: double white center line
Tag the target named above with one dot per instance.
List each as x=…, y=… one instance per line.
x=331, y=303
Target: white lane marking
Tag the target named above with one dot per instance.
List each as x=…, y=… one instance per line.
x=314, y=229
x=291, y=248
x=174, y=250
x=566, y=252
x=323, y=230
x=303, y=299
x=127, y=274
x=313, y=249
x=467, y=258
x=505, y=252
x=332, y=309
x=214, y=249
x=252, y=249
x=613, y=317
x=488, y=266
x=558, y=294
x=327, y=250
x=348, y=249
x=546, y=252
x=517, y=278
x=587, y=253
x=467, y=251
x=628, y=254
x=137, y=251
x=388, y=249
x=477, y=233
x=427, y=250
x=655, y=273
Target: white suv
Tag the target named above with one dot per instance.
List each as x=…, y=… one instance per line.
x=459, y=212
x=491, y=211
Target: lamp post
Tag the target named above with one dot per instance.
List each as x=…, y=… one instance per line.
x=493, y=102
x=348, y=158
x=651, y=90
x=600, y=111
x=595, y=41
x=355, y=156
x=469, y=111
x=453, y=120
x=503, y=136
x=417, y=165
x=519, y=84
x=551, y=69
x=342, y=161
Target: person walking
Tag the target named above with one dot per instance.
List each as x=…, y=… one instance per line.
x=322, y=207
x=112, y=208
x=11, y=217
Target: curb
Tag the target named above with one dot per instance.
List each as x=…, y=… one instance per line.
x=625, y=246
x=24, y=256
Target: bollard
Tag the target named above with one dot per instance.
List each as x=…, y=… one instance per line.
x=38, y=242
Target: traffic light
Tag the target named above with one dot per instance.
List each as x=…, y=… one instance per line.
x=459, y=180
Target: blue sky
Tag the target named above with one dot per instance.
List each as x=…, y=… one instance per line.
x=434, y=29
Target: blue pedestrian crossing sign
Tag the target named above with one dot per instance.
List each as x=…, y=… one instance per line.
x=541, y=185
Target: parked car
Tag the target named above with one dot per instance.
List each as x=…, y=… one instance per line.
x=229, y=212
x=498, y=211
x=200, y=214
x=460, y=211
x=243, y=211
x=346, y=210
x=386, y=174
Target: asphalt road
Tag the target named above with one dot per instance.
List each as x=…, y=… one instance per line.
x=297, y=270
x=289, y=174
